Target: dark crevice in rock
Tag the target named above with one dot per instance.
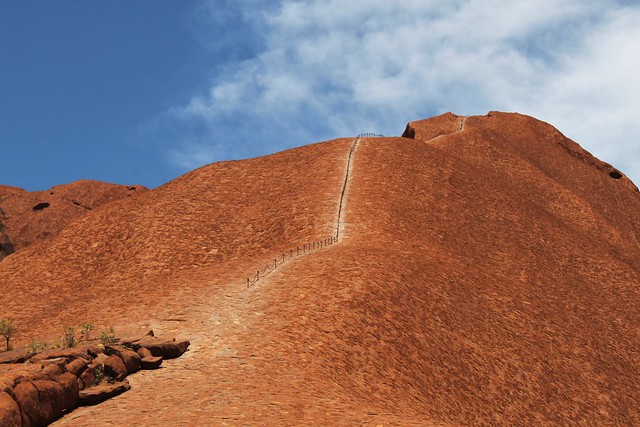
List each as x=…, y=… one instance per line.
x=41, y=206
x=81, y=205
x=6, y=246
x=615, y=174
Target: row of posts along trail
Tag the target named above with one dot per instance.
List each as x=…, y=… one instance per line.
x=315, y=245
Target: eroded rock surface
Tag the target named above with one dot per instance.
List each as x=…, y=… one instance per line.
x=483, y=271
x=54, y=382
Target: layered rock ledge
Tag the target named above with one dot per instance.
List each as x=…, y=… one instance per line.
x=37, y=389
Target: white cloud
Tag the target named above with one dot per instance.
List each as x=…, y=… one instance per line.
x=333, y=68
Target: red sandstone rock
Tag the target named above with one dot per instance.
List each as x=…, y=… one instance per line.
x=70, y=390
x=102, y=392
x=16, y=355
x=29, y=217
x=71, y=353
x=150, y=362
x=40, y=401
x=9, y=411
x=77, y=366
x=144, y=352
x=91, y=375
x=480, y=278
x=115, y=368
x=49, y=372
x=26, y=395
x=130, y=358
x=167, y=349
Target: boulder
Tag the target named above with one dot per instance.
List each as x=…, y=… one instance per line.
x=174, y=349
x=70, y=353
x=26, y=396
x=49, y=372
x=90, y=375
x=87, y=379
x=40, y=401
x=144, y=352
x=132, y=336
x=102, y=392
x=168, y=349
x=95, y=350
x=130, y=358
x=9, y=411
x=77, y=366
x=151, y=362
x=70, y=389
x=17, y=355
x=51, y=397
x=115, y=368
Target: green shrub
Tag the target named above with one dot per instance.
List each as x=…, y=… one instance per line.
x=35, y=347
x=85, y=330
x=6, y=330
x=107, y=336
x=69, y=337
x=99, y=375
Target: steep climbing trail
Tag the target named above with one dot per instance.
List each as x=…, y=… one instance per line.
x=230, y=375
x=452, y=298
x=309, y=247
x=344, y=186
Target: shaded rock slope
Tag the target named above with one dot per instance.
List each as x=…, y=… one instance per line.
x=27, y=217
x=487, y=273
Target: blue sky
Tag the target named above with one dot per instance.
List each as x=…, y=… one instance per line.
x=139, y=92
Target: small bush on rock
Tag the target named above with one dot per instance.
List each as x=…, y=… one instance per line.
x=107, y=336
x=99, y=374
x=69, y=337
x=35, y=347
x=53, y=344
x=6, y=330
x=85, y=330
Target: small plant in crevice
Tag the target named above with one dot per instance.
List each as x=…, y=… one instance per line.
x=107, y=336
x=85, y=330
x=53, y=344
x=6, y=330
x=101, y=376
x=35, y=347
x=69, y=337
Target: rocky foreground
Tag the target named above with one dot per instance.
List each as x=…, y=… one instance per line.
x=38, y=388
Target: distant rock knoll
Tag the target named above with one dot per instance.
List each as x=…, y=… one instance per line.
x=28, y=217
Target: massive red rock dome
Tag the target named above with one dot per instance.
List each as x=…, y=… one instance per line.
x=487, y=272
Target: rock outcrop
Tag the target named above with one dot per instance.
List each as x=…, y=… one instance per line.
x=65, y=379
x=28, y=217
x=486, y=273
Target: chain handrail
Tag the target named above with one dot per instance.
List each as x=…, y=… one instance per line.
x=317, y=244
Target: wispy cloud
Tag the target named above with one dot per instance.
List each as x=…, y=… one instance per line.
x=332, y=68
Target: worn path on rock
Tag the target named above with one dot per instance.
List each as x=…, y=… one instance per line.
x=231, y=374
